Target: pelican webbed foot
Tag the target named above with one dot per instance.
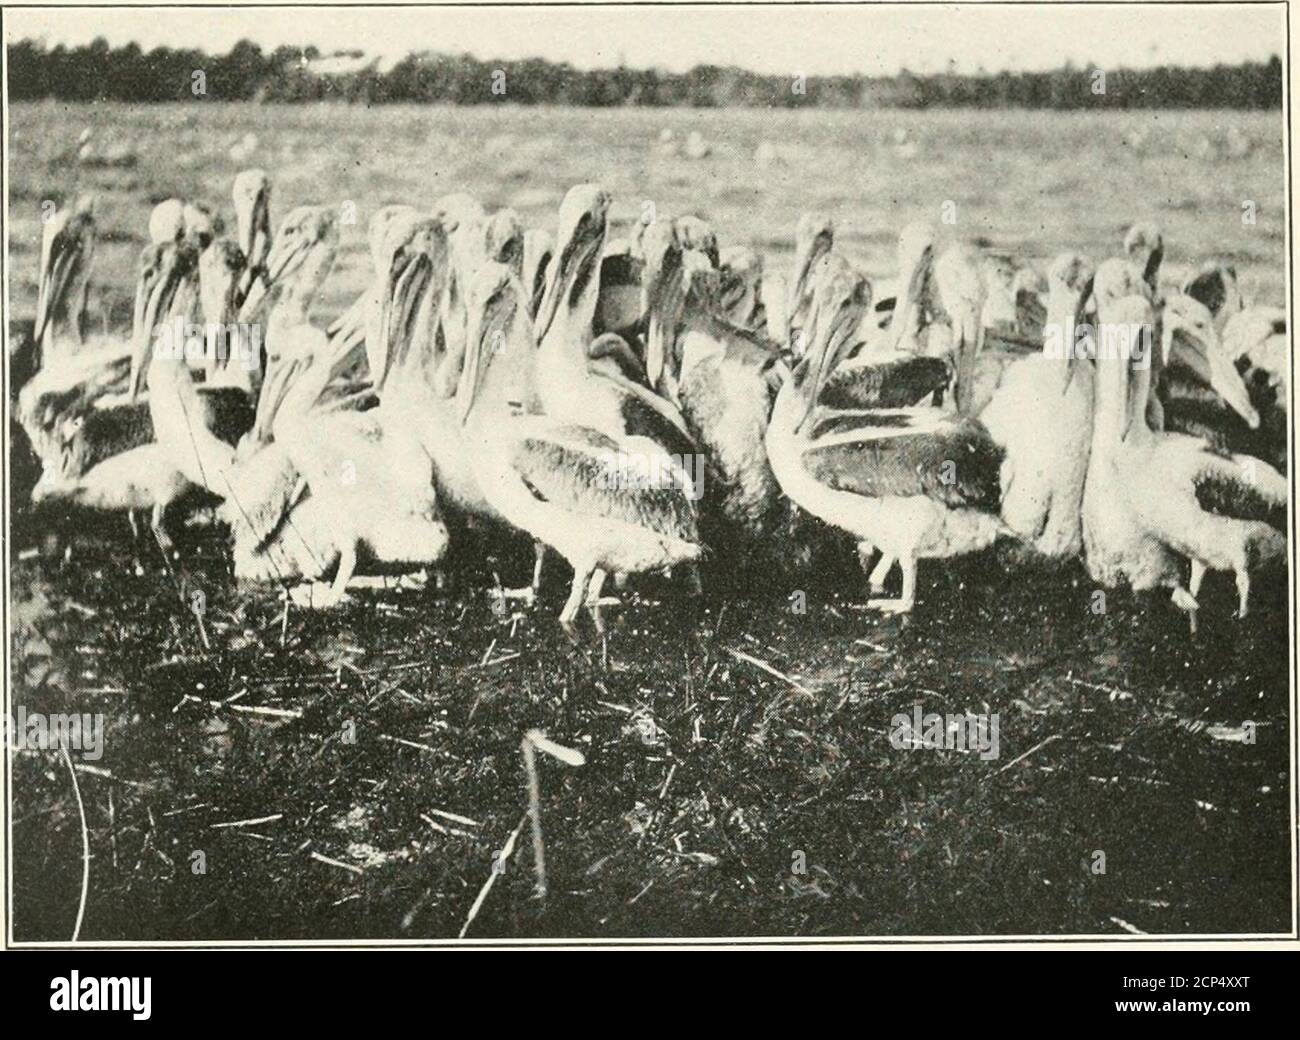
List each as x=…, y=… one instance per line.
x=881, y=571
x=594, y=598
x=1183, y=599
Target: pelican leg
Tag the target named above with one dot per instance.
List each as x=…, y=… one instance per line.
x=577, y=595
x=1243, y=591
x=907, y=600
x=159, y=531
x=1183, y=599
x=135, y=525
x=347, y=564
x=1198, y=575
x=883, y=567
x=594, y=599
x=865, y=552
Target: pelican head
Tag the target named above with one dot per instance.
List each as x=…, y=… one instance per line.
x=1189, y=337
x=201, y=227
x=416, y=253
x=499, y=331
x=503, y=240
x=698, y=234
x=916, y=247
x=1069, y=285
x=67, y=248
x=252, y=198
x=662, y=294
x=1121, y=383
x=1117, y=279
x=1215, y=285
x=584, y=222
x=841, y=297
x=220, y=269
x=1145, y=248
x=813, y=237
x=174, y=265
x=308, y=233
x=167, y=222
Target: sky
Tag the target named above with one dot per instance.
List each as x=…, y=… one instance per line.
x=810, y=39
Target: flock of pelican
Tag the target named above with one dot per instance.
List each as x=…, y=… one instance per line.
x=659, y=404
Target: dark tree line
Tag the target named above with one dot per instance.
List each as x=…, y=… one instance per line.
x=287, y=74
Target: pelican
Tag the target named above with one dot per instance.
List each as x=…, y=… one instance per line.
x=191, y=449
x=1041, y=416
x=350, y=325
x=944, y=288
x=569, y=387
x=564, y=482
x=813, y=238
x=741, y=290
x=724, y=380
x=67, y=249
x=1256, y=340
x=1215, y=285
x=1221, y=511
x=339, y=488
x=300, y=260
x=913, y=482
x=1200, y=389
x=252, y=198
x=1145, y=248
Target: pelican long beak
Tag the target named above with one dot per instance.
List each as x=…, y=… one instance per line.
x=970, y=344
x=172, y=272
x=255, y=240
x=1079, y=317
x=275, y=388
x=575, y=266
x=808, y=251
x=61, y=264
x=664, y=259
x=1201, y=353
x=907, y=306
x=834, y=337
x=282, y=262
x=407, y=282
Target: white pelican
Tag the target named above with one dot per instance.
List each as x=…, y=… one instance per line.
x=564, y=482
x=252, y=198
x=912, y=482
x=938, y=289
x=1216, y=286
x=193, y=429
x=740, y=297
x=67, y=249
x=724, y=380
x=1041, y=415
x=350, y=325
x=813, y=238
x=570, y=388
x=1256, y=340
x=300, y=260
x=1221, y=511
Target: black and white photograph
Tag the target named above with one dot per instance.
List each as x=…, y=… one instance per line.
x=648, y=475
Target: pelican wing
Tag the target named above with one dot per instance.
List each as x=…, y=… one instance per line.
x=646, y=414
x=262, y=490
x=898, y=383
x=953, y=461
x=1240, y=487
x=586, y=474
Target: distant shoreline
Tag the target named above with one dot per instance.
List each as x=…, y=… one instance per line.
x=97, y=72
